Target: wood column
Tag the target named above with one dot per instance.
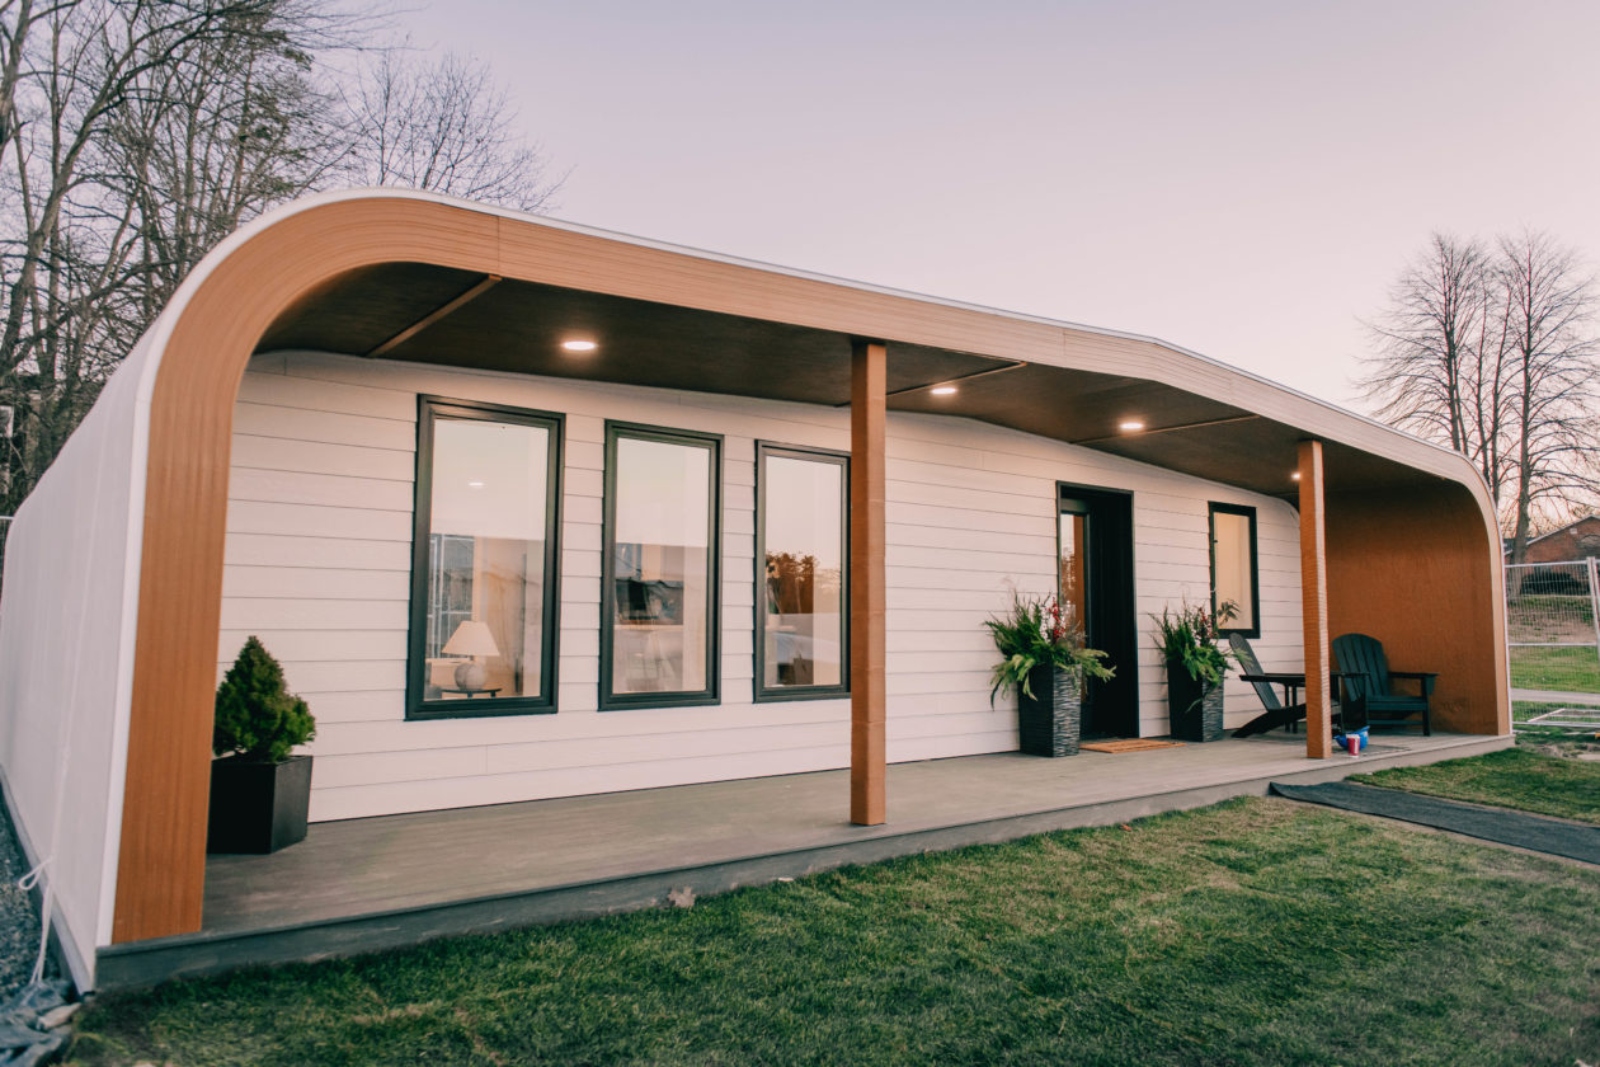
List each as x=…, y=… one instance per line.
x=868, y=697
x=1314, y=600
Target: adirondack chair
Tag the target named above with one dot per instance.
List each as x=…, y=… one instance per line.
x=1368, y=684
x=1276, y=714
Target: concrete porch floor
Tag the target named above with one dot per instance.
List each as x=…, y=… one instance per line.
x=367, y=884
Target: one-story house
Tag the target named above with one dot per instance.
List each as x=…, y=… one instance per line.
x=529, y=510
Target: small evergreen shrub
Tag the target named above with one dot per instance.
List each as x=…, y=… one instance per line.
x=257, y=716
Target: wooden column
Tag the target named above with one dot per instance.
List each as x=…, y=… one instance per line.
x=1314, y=600
x=868, y=388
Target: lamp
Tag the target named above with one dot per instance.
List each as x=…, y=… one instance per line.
x=472, y=638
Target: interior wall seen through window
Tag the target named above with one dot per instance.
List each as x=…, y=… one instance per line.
x=486, y=560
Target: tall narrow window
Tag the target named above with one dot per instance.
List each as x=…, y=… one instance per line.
x=658, y=642
x=802, y=581
x=483, y=597
x=1233, y=568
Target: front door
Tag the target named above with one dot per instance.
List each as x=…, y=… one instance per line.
x=1095, y=535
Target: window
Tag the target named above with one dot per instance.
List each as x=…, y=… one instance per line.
x=658, y=588
x=1233, y=568
x=802, y=579
x=483, y=583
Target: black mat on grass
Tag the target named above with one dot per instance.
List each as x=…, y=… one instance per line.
x=1533, y=832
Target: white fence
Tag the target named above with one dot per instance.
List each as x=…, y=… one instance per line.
x=1553, y=625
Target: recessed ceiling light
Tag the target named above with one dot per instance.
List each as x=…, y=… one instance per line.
x=474, y=485
x=1295, y=477
x=1130, y=426
x=578, y=344
x=943, y=390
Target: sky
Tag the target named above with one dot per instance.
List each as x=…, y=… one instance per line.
x=1243, y=179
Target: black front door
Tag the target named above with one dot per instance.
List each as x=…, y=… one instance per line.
x=1095, y=541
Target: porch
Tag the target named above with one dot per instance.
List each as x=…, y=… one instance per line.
x=367, y=884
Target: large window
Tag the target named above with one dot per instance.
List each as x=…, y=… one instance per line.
x=1233, y=568
x=483, y=591
x=802, y=582
x=658, y=636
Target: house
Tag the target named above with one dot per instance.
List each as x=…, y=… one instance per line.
x=531, y=511
x=1578, y=540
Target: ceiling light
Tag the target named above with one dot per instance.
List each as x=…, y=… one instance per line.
x=943, y=390
x=1295, y=477
x=474, y=485
x=1130, y=426
x=578, y=344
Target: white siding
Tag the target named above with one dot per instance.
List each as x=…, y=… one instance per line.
x=319, y=528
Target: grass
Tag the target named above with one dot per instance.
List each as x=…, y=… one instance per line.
x=1254, y=932
x=1570, y=670
x=1511, y=778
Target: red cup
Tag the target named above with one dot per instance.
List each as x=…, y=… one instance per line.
x=1354, y=744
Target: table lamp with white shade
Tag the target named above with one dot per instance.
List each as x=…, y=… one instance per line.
x=472, y=638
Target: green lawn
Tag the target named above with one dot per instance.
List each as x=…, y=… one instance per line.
x=1511, y=778
x=1254, y=932
x=1570, y=670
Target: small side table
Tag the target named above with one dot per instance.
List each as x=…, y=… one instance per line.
x=470, y=693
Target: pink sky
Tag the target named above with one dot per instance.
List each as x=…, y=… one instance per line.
x=1244, y=179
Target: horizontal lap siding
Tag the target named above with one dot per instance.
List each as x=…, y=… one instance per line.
x=318, y=559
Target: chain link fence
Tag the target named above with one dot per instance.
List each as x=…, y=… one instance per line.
x=1553, y=626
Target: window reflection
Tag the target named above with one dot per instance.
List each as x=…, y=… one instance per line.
x=486, y=560
x=661, y=539
x=1233, y=568
x=803, y=541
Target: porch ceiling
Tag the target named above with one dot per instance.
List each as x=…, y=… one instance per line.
x=517, y=326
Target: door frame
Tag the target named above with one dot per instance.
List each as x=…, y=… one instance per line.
x=1112, y=708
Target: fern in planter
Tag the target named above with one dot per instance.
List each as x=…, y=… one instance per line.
x=1035, y=632
x=1188, y=638
x=257, y=718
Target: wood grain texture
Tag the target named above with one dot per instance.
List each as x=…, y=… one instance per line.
x=1417, y=571
x=225, y=309
x=868, y=695
x=1314, y=598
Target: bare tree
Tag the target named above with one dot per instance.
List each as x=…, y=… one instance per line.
x=1550, y=305
x=136, y=134
x=1489, y=352
x=444, y=126
x=1440, y=367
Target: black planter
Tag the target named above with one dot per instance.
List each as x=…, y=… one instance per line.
x=1194, y=707
x=258, y=807
x=1050, y=720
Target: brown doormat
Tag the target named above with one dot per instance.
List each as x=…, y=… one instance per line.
x=1134, y=744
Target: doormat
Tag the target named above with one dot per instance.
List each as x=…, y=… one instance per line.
x=1134, y=744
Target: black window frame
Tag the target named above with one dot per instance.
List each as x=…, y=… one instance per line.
x=762, y=694
x=429, y=409
x=1212, y=509
x=711, y=695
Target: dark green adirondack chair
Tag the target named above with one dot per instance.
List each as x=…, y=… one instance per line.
x=1276, y=714
x=1369, y=684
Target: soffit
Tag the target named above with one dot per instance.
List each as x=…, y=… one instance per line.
x=517, y=327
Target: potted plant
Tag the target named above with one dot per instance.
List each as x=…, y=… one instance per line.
x=1187, y=639
x=1045, y=661
x=260, y=794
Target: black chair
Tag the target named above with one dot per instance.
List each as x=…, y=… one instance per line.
x=1276, y=714
x=1368, y=685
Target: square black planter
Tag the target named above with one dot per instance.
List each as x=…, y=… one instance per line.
x=1050, y=720
x=1194, y=707
x=258, y=807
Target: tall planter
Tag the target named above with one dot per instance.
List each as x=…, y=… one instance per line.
x=1050, y=721
x=1195, y=708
